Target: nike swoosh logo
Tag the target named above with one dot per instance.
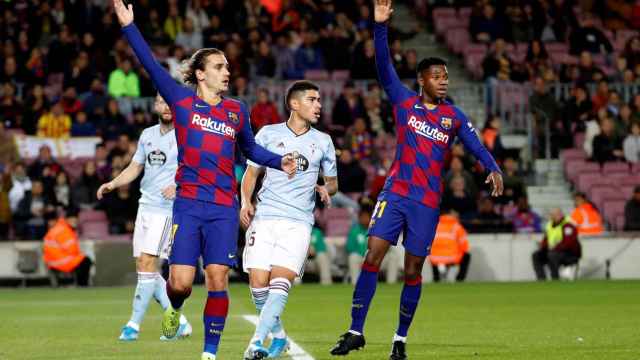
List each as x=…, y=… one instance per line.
x=231, y=256
x=201, y=106
x=418, y=107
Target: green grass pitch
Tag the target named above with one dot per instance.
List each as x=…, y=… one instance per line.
x=581, y=320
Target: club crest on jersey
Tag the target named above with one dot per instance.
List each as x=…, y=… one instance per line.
x=446, y=123
x=423, y=128
x=233, y=117
x=209, y=125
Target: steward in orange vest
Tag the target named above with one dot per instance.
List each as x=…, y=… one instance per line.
x=586, y=217
x=450, y=246
x=62, y=249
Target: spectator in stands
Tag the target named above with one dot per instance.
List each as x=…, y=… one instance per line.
x=497, y=64
x=123, y=81
x=632, y=52
x=491, y=137
x=450, y=247
x=20, y=184
x=69, y=101
x=5, y=207
x=44, y=159
x=456, y=168
x=485, y=26
x=62, y=251
x=359, y=140
x=545, y=108
x=514, y=186
x=560, y=246
x=62, y=191
x=80, y=74
x=121, y=209
x=488, y=220
x=173, y=22
x=86, y=187
x=264, y=112
x=197, y=14
x=265, y=63
x=606, y=145
x=587, y=70
x=318, y=253
x=525, y=220
x=30, y=215
x=631, y=145
x=81, y=126
x=308, y=56
x=537, y=59
x=623, y=121
x=34, y=107
x=188, y=37
x=578, y=108
x=632, y=212
x=10, y=107
x=347, y=107
x=357, y=243
x=55, y=123
x=589, y=38
x=459, y=199
x=96, y=98
x=351, y=173
x=284, y=55
x=8, y=149
x=363, y=65
x=586, y=217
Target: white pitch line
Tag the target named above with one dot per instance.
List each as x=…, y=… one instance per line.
x=295, y=351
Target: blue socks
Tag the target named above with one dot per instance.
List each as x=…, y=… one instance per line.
x=144, y=293
x=259, y=296
x=214, y=317
x=273, y=308
x=408, y=304
x=362, y=295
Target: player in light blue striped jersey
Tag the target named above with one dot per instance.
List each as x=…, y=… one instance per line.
x=157, y=155
x=279, y=229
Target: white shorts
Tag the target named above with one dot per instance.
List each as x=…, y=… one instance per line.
x=151, y=234
x=281, y=243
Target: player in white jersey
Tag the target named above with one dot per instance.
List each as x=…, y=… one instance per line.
x=157, y=155
x=279, y=234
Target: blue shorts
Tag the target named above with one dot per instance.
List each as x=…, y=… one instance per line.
x=418, y=222
x=203, y=228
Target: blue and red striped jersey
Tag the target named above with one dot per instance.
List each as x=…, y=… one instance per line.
x=424, y=136
x=206, y=134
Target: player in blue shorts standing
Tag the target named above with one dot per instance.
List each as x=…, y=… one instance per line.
x=426, y=125
x=157, y=156
x=279, y=236
x=205, y=212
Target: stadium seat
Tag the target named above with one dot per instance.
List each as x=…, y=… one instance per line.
x=619, y=223
x=635, y=168
x=338, y=227
x=95, y=230
x=442, y=25
x=465, y=12
x=599, y=195
x=316, y=75
x=572, y=154
x=576, y=167
x=629, y=180
x=336, y=213
x=340, y=75
x=613, y=208
x=588, y=180
x=578, y=140
x=615, y=167
x=92, y=215
x=444, y=12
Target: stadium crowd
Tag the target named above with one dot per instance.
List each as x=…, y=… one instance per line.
x=66, y=72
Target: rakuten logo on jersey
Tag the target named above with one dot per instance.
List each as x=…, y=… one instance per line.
x=423, y=128
x=212, y=126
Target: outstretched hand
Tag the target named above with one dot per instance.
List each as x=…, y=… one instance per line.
x=324, y=195
x=123, y=12
x=495, y=179
x=382, y=10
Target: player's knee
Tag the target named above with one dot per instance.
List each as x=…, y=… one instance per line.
x=374, y=257
x=180, y=289
x=216, y=281
x=145, y=263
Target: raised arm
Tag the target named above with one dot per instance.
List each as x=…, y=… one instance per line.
x=166, y=85
x=387, y=75
x=467, y=135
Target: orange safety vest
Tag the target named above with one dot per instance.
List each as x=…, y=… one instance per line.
x=450, y=243
x=587, y=220
x=61, y=247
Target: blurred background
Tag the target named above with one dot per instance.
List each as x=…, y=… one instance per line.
x=552, y=87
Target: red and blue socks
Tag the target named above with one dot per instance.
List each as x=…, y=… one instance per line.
x=408, y=304
x=215, y=315
x=362, y=296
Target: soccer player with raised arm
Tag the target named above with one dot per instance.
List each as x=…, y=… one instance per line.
x=205, y=212
x=426, y=126
x=157, y=155
x=279, y=234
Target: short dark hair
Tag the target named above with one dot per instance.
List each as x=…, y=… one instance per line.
x=197, y=62
x=428, y=62
x=296, y=88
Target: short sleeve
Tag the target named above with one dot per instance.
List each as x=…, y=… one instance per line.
x=329, y=160
x=140, y=156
